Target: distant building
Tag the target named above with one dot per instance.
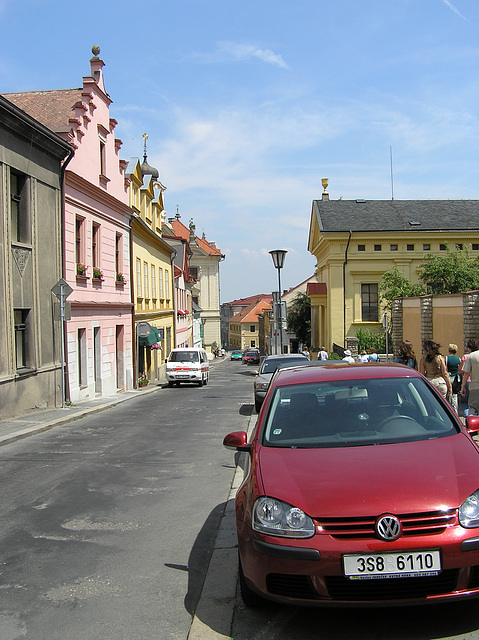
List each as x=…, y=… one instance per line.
x=205, y=279
x=356, y=241
x=247, y=328
x=32, y=160
x=230, y=309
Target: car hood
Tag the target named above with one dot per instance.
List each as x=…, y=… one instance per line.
x=357, y=481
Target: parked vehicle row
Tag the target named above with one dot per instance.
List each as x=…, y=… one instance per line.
x=362, y=489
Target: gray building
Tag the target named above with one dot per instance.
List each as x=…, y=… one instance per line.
x=32, y=159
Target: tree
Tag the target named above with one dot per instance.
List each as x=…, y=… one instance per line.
x=393, y=284
x=299, y=318
x=454, y=272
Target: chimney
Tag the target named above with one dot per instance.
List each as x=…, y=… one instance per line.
x=96, y=66
x=324, y=183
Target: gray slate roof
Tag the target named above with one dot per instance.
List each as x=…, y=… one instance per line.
x=397, y=215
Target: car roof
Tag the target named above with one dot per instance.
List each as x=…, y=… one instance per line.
x=286, y=355
x=342, y=371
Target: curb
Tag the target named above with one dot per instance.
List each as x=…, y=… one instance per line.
x=218, y=596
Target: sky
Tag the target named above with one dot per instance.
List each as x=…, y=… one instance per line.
x=248, y=104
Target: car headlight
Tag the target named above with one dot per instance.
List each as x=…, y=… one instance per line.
x=469, y=511
x=261, y=386
x=276, y=518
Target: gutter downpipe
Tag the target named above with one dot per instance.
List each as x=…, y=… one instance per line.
x=344, y=286
x=64, y=367
x=173, y=255
x=134, y=339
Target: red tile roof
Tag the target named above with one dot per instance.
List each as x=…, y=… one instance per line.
x=51, y=108
x=183, y=232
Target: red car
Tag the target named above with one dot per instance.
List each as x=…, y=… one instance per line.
x=362, y=488
x=251, y=357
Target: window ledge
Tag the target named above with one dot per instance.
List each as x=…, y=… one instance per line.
x=82, y=278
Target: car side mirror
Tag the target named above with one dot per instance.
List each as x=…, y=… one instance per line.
x=237, y=440
x=255, y=372
x=472, y=425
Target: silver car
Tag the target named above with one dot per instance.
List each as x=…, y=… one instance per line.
x=266, y=370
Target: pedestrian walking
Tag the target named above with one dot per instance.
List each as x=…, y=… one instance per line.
x=373, y=356
x=323, y=354
x=433, y=366
x=452, y=366
x=347, y=356
x=470, y=378
x=405, y=355
x=363, y=356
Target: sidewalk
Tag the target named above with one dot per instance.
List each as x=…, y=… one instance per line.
x=38, y=420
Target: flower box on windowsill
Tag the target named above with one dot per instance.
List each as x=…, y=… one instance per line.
x=82, y=278
x=97, y=280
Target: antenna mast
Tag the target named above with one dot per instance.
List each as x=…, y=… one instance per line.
x=391, y=163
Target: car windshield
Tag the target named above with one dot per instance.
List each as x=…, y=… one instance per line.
x=184, y=356
x=350, y=413
x=270, y=366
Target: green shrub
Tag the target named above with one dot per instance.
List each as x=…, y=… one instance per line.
x=367, y=340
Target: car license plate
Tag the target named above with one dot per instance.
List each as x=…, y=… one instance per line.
x=182, y=375
x=405, y=564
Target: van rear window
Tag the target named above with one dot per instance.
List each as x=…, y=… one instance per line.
x=184, y=356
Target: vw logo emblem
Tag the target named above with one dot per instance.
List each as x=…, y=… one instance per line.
x=388, y=528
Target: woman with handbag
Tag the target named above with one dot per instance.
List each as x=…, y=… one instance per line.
x=452, y=365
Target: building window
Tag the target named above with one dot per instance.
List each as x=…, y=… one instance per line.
x=160, y=281
x=194, y=273
x=253, y=343
x=252, y=328
x=95, y=245
x=153, y=282
x=138, y=278
x=459, y=247
x=442, y=247
x=21, y=335
x=102, y=158
x=361, y=247
x=119, y=253
x=145, y=277
x=475, y=247
x=82, y=359
x=377, y=247
x=167, y=285
x=80, y=240
x=19, y=214
x=369, y=302
x=410, y=247
x=426, y=247
x=393, y=247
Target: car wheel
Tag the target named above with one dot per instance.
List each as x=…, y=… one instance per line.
x=257, y=405
x=200, y=382
x=177, y=384
x=249, y=597
x=205, y=381
x=170, y=384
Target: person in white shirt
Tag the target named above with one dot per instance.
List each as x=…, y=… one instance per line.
x=323, y=354
x=347, y=356
x=470, y=371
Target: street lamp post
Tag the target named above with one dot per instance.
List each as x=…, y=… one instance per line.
x=278, y=261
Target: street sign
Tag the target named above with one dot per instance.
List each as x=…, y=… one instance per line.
x=62, y=288
x=143, y=329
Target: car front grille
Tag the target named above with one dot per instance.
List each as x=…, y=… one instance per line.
x=412, y=524
x=341, y=588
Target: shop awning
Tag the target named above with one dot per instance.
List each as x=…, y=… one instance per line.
x=156, y=335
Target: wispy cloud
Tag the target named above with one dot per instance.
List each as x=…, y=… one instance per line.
x=242, y=53
x=249, y=51
x=453, y=8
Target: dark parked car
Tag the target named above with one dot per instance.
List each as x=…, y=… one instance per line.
x=269, y=365
x=362, y=489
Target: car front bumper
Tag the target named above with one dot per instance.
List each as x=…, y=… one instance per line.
x=310, y=571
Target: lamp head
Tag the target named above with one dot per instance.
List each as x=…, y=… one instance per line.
x=278, y=257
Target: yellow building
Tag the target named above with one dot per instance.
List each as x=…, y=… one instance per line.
x=152, y=272
x=250, y=327
x=356, y=241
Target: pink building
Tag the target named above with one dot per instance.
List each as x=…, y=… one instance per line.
x=96, y=235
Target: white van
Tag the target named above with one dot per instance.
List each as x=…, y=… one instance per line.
x=187, y=365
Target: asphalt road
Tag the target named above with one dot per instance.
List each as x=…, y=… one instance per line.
x=107, y=524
